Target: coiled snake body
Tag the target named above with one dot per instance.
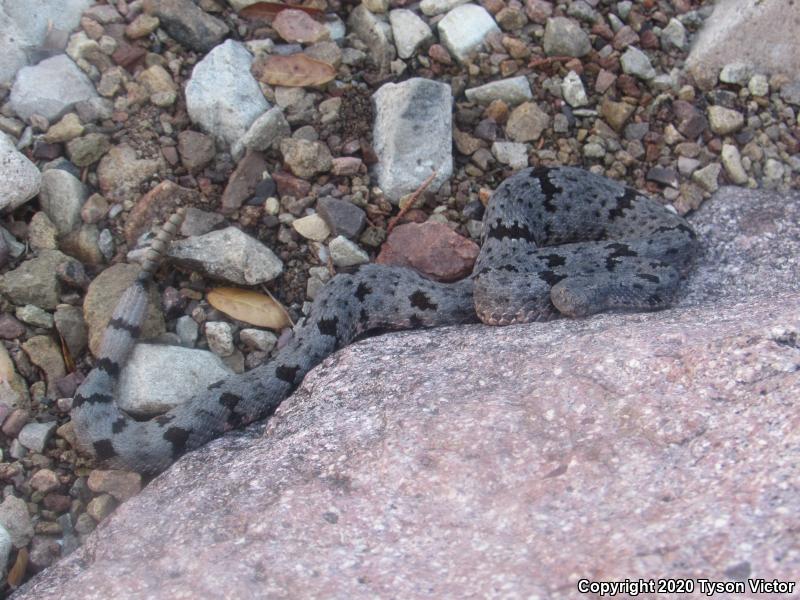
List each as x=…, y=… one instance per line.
x=555, y=241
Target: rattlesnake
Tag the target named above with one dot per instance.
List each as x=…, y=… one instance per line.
x=555, y=241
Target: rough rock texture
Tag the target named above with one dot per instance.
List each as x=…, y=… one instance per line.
x=513, y=90
x=376, y=34
x=50, y=88
x=228, y=254
x=771, y=27
x=432, y=249
x=503, y=462
x=19, y=178
x=188, y=23
x=463, y=29
x=221, y=96
x=24, y=26
x=141, y=386
x=405, y=113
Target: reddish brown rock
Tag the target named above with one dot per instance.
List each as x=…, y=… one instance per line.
x=605, y=79
x=58, y=503
x=196, y=149
x=10, y=328
x=156, y=206
x=346, y=165
x=430, y=248
x=625, y=37
x=691, y=121
x=289, y=185
x=243, y=181
x=121, y=172
x=120, y=484
x=538, y=10
x=297, y=26
x=440, y=54
x=14, y=422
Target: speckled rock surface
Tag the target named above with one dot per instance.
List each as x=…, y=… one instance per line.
x=521, y=458
x=405, y=112
x=736, y=20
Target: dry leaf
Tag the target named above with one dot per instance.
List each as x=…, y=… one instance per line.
x=17, y=572
x=248, y=306
x=295, y=70
x=69, y=362
x=296, y=26
x=7, y=371
x=269, y=10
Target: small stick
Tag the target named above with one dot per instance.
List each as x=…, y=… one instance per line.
x=541, y=62
x=331, y=269
x=411, y=201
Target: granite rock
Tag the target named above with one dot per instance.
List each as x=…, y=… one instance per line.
x=405, y=113
x=50, y=88
x=222, y=96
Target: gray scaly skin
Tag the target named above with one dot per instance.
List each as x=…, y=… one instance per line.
x=555, y=241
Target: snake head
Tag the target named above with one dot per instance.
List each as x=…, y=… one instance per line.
x=507, y=298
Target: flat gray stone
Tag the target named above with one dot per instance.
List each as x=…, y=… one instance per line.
x=513, y=154
x=6, y=546
x=15, y=519
x=376, y=34
x=674, y=35
x=564, y=37
x=189, y=24
x=219, y=336
x=228, y=254
x=750, y=31
x=738, y=73
x=409, y=31
x=24, y=26
x=463, y=29
x=635, y=62
x=12, y=55
x=791, y=92
x=345, y=253
x=50, y=89
x=512, y=91
x=573, y=91
x=141, y=388
x=412, y=135
x=34, y=281
x=267, y=130
x=62, y=196
x=222, y=96
x=342, y=217
x=34, y=436
x=19, y=178
x=724, y=120
x=437, y=7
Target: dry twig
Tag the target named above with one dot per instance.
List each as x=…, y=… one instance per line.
x=412, y=199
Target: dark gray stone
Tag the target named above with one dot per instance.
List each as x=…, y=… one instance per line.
x=343, y=218
x=188, y=23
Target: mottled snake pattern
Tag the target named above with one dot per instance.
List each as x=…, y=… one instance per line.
x=555, y=241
